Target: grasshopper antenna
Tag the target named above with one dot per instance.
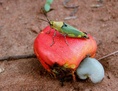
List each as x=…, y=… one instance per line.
x=46, y=20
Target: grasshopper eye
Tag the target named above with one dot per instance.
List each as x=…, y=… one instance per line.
x=64, y=25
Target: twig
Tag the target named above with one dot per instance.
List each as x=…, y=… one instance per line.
x=70, y=17
x=96, y=5
x=18, y=57
x=101, y=1
x=108, y=55
x=74, y=11
x=66, y=6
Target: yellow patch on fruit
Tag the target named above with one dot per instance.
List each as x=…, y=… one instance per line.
x=66, y=65
x=69, y=66
x=72, y=66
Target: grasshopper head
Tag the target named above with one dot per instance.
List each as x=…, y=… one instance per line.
x=56, y=25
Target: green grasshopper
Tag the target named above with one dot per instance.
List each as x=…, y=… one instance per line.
x=66, y=30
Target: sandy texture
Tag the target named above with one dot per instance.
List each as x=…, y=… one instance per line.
x=19, y=20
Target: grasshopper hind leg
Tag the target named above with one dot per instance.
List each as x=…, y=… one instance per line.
x=53, y=42
x=65, y=39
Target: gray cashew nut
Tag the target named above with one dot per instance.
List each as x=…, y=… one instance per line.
x=91, y=68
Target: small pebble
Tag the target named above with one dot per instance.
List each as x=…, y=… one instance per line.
x=35, y=29
x=71, y=17
x=108, y=77
x=2, y=70
x=7, y=8
x=96, y=5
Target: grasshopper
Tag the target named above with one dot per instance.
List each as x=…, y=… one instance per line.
x=66, y=30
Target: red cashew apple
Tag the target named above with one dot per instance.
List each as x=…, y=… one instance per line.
x=61, y=56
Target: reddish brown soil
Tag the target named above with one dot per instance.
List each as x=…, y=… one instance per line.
x=17, y=20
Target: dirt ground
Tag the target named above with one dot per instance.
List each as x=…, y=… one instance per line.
x=18, y=20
